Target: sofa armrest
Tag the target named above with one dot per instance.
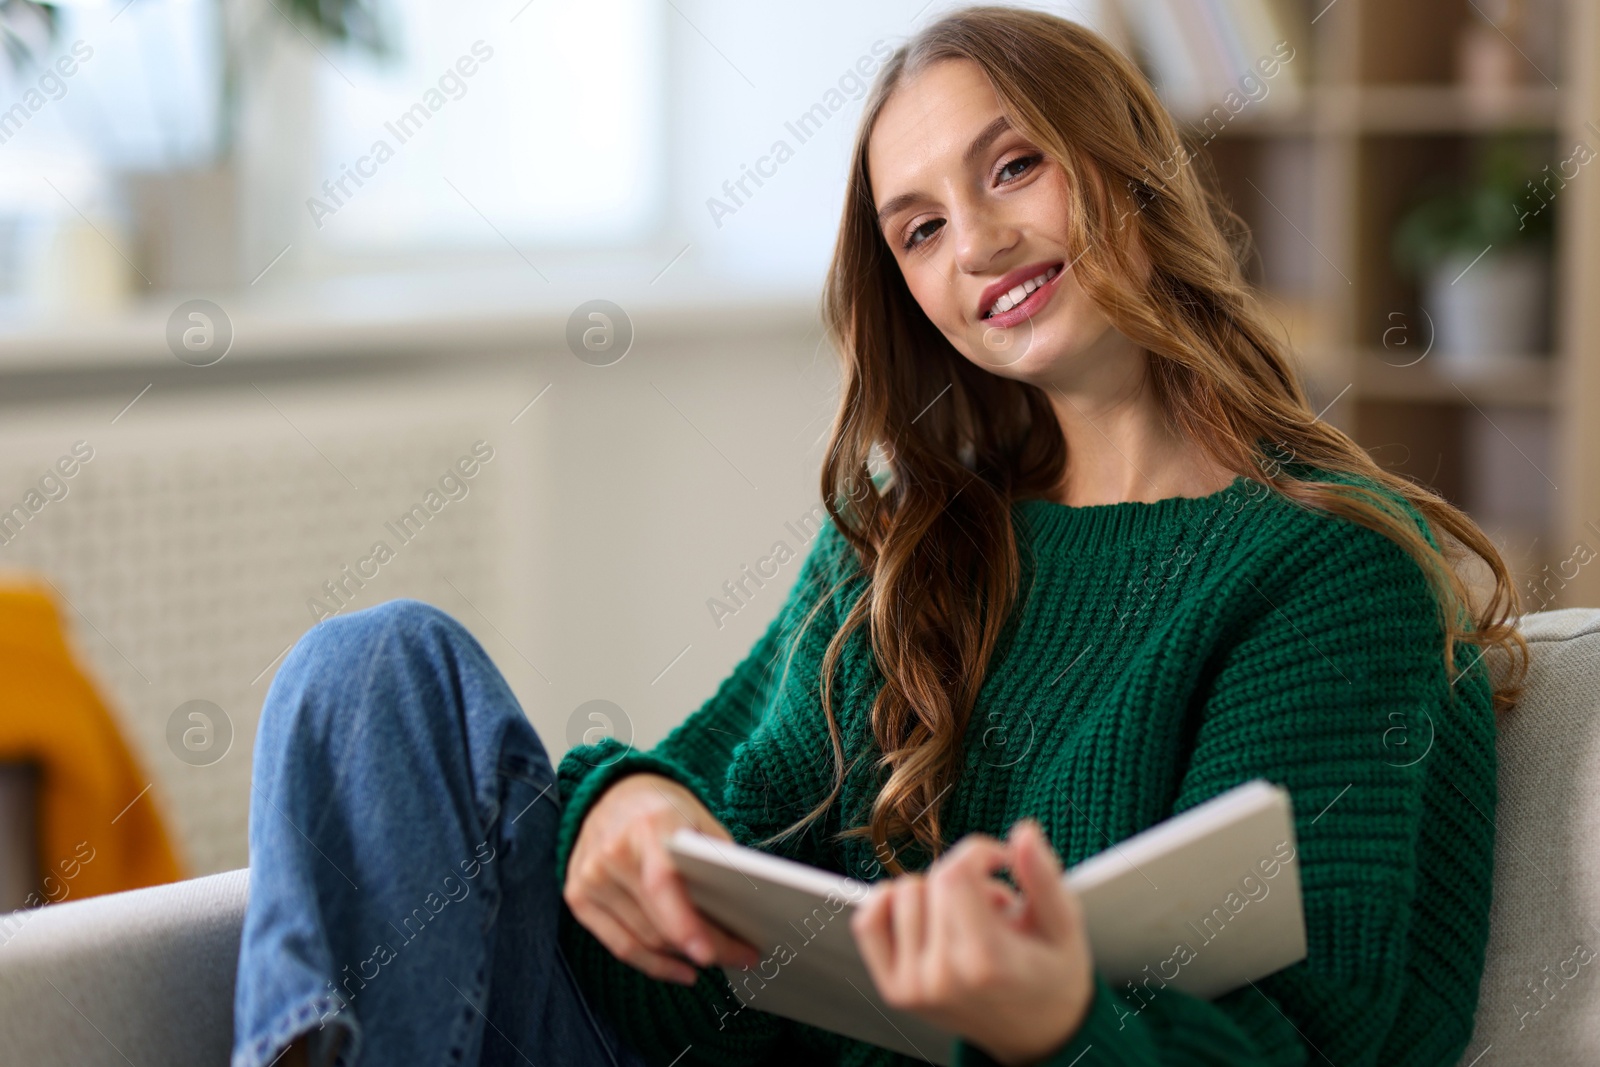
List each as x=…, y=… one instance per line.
x=144, y=976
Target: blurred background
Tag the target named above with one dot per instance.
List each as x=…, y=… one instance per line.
x=512, y=307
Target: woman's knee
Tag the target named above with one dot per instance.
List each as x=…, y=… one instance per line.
x=353, y=662
x=408, y=658
x=403, y=684
x=372, y=638
x=405, y=620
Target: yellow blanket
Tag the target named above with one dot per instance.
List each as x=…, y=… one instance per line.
x=99, y=828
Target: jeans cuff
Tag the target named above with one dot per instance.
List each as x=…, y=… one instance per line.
x=344, y=1039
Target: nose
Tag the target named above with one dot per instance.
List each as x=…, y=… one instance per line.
x=982, y=235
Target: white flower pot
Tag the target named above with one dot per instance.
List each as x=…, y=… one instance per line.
x=1491, y=314
x=188, y=220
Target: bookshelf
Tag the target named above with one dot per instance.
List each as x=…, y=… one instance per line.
x=1380, y=112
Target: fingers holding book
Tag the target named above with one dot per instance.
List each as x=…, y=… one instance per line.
x=621, y=884
x=1008, y=969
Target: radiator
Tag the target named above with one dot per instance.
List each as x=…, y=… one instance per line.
x=203, y=529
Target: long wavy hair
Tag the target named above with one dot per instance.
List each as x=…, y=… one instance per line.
x=936, y=541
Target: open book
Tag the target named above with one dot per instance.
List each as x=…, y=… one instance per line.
x=1201, y=903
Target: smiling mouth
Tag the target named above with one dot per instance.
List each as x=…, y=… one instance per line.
x=1011, y=298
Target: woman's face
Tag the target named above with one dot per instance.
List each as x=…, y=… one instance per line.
x=977, y=218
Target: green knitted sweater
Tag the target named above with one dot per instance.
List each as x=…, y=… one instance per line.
x=1160, y=654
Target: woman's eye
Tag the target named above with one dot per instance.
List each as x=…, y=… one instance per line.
x=922, y=233
x=1017, y=167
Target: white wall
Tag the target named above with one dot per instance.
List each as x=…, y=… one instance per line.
x=582, y=557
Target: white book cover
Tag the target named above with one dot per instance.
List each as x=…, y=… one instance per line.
x=1202, y=903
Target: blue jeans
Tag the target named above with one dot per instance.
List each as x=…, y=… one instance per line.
x=403, y=902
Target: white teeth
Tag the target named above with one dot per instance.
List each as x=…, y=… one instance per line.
x=1015, y=296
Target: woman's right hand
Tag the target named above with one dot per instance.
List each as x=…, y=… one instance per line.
x=621, y=884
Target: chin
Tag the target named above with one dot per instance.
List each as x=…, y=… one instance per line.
x=1044, y=355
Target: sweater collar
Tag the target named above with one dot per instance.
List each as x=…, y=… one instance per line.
x=1090, y=527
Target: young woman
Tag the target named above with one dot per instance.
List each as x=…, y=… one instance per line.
x=1114, y=566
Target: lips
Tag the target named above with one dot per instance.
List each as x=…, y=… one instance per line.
x=1017, y=295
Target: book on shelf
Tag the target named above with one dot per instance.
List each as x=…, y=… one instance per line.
x=1211, y=60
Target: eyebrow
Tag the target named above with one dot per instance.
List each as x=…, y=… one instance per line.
x=980, y=143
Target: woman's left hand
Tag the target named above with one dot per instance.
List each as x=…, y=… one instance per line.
x=1010, y=972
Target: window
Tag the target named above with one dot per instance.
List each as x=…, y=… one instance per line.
x=539, y=126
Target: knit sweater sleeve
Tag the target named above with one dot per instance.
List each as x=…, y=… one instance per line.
x=1323, y=653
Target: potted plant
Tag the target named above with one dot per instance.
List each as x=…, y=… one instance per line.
x=190, y=216
x=1481, y=251
x=25, y=29
x=194, y=231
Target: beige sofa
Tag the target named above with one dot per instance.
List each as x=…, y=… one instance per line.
x=146, y=978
